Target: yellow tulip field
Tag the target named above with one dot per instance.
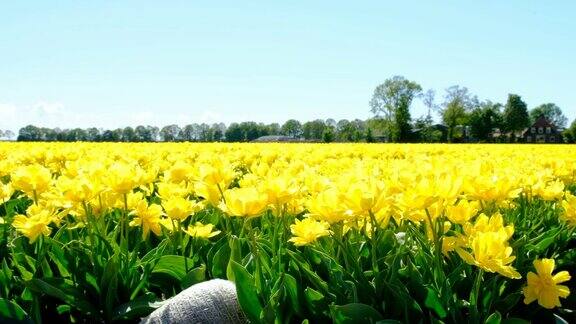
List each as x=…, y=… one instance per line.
x=309, y=233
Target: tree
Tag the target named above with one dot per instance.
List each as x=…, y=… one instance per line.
x=274, y=129
x=328, y=134
x=128, y=134
x=428, y=99
x=8, y=134
x=391, y=101
x=552, y=112
x=484, y=119
x=515, y=114
x=29, y=133
x=570, y=133
x=457, y=103
x=313, y=130
x=218, y=131
x=169, y=133
x=234, y=133
x=292, y=128
x=425, y=130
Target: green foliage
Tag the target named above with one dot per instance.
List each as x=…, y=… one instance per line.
x=391, y=101
x=552, y=112
x=484, y=119
x=458, y=102
x=515, y=114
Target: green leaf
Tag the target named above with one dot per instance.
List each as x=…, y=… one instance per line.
x=220, y=262
x=111, y=295
x=433, y=302
x=194, y=276
x=246, y=290
x=354, y=313
x=494, y=318
x=137, y=308
x=60, y=262
x=315, y=301
x=63, y=309
x=291, y=286
x=509, y=302
x=9, y=310
x=173, y=266
x=235, y=256
x=59, y=289
x=545, y=243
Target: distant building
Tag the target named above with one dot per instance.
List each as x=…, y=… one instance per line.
x=542, y=131
x=276, y=138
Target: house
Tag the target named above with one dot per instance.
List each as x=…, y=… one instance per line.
x=542, y=131
x=276, y=139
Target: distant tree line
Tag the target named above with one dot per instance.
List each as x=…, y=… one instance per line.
x=463, y=118
x=316, y=131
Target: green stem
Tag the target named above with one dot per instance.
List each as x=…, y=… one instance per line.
x=474, y=297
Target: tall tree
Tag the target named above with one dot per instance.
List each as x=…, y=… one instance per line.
x=292, y=128
x=428, y=99
x=391, y=101
x=458, y=102
x=484, y=119
x=570, y=133
x=313, y=130
x=234, y=133
x=552, y=112
x=515, y=114
x=169, y=133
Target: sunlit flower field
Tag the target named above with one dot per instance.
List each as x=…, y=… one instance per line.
x=341, y=233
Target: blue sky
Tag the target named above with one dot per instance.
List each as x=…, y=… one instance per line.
x=118, y=63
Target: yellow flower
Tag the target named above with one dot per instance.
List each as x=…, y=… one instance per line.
x=167, y=223
x=76, y=190
x=543, y=286
x=462, y=212
x=365, y=197
x=35, y=224
x=280, y=190
x=484, y=224
x=123, y=178
x=491, y=253
x=6, y=191
x=201, y=231
x=167, y=190
x=549, y=191
x=244, y=202
x=180, y=208
x=329, y=206
x=308, y=230
x=148, y=217
x=32, y=179
x=569, y=206
x=179, y=172
x=217, y=173
x=211, y=193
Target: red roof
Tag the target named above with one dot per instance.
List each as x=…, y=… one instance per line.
x=543, y=122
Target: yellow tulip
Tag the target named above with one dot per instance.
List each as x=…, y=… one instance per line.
x=179, y=208
x=35, y=223
x=244, y=202
x=200, y=230
x=307, y=231
x=147, y=217
x=544, y=287
x=32, y=180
